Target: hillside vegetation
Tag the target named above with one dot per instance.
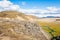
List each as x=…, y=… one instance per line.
x=51, y=25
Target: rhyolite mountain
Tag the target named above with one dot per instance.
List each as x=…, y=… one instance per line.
x=18, y=26
x=16, y=15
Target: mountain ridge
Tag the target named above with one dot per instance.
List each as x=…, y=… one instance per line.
x=19, y=27
x=18, y=15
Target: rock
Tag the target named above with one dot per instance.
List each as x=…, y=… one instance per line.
x=21, y=30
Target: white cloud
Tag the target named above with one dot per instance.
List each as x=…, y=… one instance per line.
x=7, y=5
x=41, y=13
x=49, y=11
x=14, y=7
x=53, y=9
x=5, y=0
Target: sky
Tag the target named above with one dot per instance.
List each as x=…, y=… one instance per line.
x=36, y=3
x=40, y=8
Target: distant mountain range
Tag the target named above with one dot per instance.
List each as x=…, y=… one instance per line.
x=51, y=17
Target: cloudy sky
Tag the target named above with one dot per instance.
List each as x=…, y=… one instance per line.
x=38, y=8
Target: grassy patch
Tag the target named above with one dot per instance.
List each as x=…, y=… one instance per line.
x=54, y=26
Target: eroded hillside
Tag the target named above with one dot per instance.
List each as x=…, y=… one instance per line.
x=16, y=15
x=12, y=28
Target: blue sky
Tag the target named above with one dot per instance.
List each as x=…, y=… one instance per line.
x=36, y=3
x=40, y=8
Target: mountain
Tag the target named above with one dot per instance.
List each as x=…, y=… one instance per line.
x=16, y=15
x=51, y=17
x=8, y=14
x=18, y=26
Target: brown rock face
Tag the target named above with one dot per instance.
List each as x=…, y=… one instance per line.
x=18, y=30
x=9, y=14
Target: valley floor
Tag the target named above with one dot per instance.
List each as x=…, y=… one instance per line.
x=50, y=26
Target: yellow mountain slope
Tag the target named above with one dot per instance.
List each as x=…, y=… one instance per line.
x=16, y=15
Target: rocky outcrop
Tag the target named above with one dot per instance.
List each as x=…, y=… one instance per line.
x=18, y=26
x=20, y=30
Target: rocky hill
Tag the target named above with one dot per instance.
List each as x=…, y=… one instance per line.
x=13, y=28
x=16, y=15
